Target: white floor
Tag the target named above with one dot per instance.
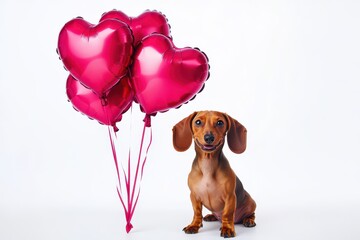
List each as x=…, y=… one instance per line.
x=272, y=223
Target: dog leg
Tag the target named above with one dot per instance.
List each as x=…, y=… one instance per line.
x=249, y=221
x=210, y=218
x=248, y=212
x=197, y=219
x=227, y=228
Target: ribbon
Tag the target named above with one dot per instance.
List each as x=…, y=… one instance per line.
x=132, y=193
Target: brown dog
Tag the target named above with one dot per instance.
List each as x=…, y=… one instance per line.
x=211, y=180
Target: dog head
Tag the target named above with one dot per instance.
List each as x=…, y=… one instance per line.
x=208, y=129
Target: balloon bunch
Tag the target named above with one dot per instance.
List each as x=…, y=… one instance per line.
x=125, y=59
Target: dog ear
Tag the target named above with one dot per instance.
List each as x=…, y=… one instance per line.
x=236, y=136
x=182, y=133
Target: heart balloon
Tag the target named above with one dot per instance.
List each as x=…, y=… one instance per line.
x=145, y=24
x=96, y=55
x=107, y=110
x=164, y=76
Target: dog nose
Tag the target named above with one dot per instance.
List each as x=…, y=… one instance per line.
x=209, y=138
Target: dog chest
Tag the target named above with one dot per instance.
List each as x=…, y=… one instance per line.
x=210, y=193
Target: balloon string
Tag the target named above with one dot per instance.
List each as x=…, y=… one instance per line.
x=142, y=169
x=127, y=178
x=138, y=164
x=132, y=199
x=114, y=156
x=138, y=167
x=117, y=171
x=147, y=150
x=131, y=203
x=113, y=148
x=127, y=210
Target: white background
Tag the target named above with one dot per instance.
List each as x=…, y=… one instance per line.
x=288, y=70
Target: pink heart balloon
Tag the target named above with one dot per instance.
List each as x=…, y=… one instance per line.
x=145, y=24
x=107, y=111
x=164, y=76
x=96, y=55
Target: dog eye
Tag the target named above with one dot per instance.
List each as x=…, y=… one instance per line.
x=197, y=122
x=220, y=123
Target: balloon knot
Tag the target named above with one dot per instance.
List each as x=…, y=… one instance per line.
x=116, y=129
x=104, y=101
x=147, y=120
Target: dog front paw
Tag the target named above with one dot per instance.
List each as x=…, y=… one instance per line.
x=227, y=232
x=191, y=229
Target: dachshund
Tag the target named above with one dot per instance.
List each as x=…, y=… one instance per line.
x=212, y=182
